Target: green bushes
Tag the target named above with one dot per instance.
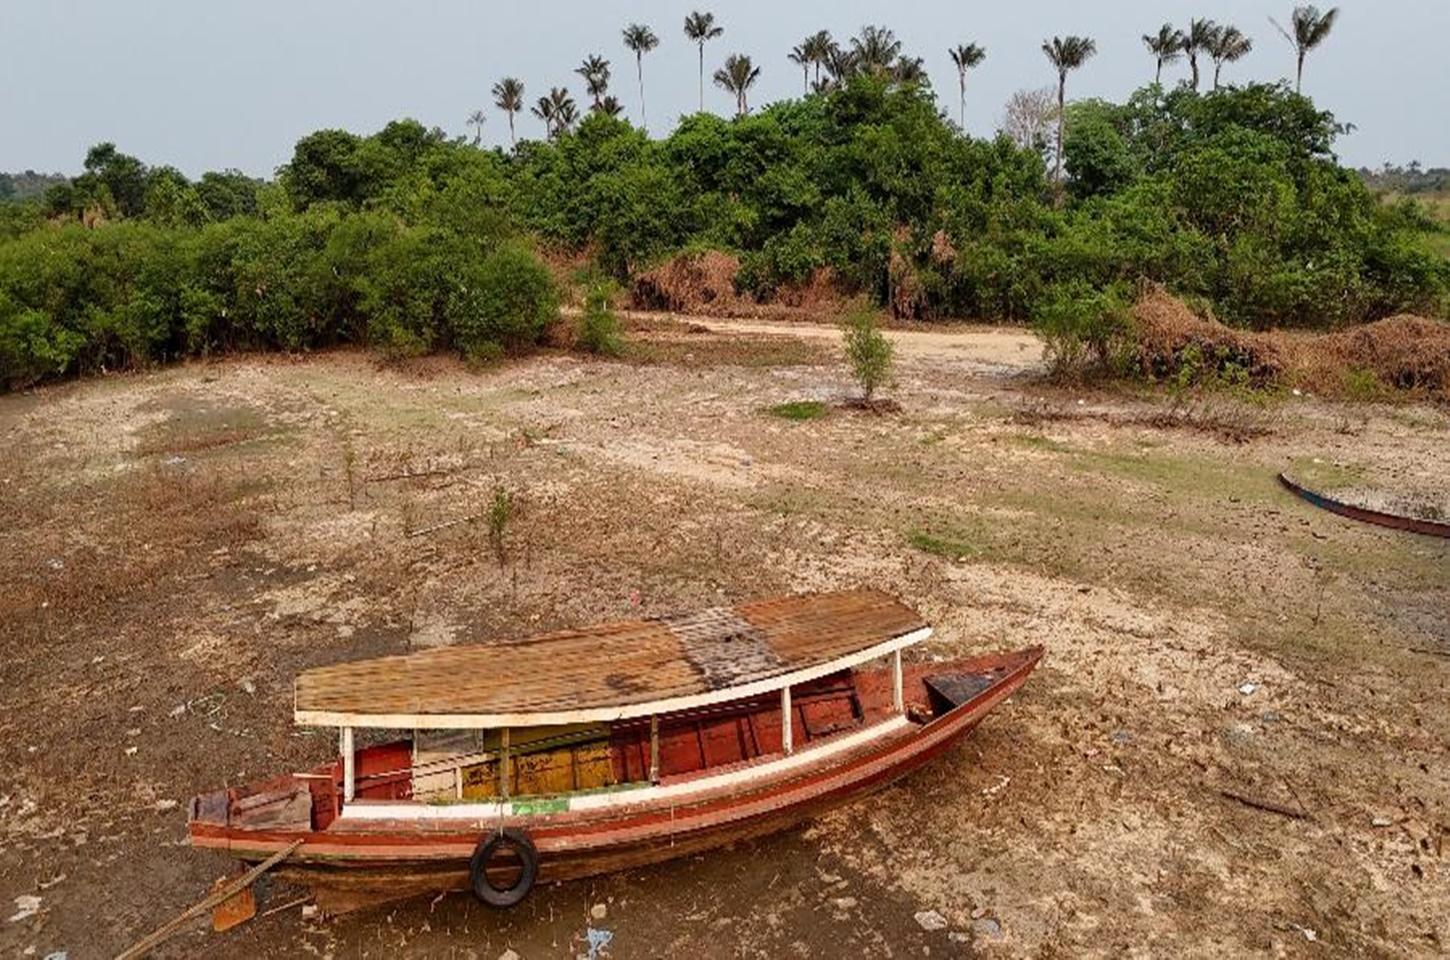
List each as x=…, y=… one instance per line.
x=76, y=300
x=1084, y=329
x=598, y=326
x=504, y=302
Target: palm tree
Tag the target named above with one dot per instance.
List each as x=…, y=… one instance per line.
x=641, y=39
x=557, y=110
x=1229, y=44
x=737, y=77
x=1166, y=46
x=609, y=106
x=801, y=56
x=841, y=65
x=508, y=96
x=818, y=47
x=700, y=27
x=566, y=114
x=1066, y=54
x=475, y=120
x=908, y=70
x=595, y=71
x=543, y=108
x=1198, y=38
x=1311, y=28
x=965, y=56
x=875, y=49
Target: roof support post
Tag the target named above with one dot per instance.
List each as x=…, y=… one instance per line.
x=787, y=741
x=654, y=748
x=898, y=694
x=349, y=768
x=503, y=763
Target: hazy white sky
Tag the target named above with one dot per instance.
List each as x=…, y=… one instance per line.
x=209, y=84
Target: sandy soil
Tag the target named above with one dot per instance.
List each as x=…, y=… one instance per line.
x=175, y=546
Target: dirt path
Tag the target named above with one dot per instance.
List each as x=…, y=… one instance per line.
x=1000, y=348
x=176, y=546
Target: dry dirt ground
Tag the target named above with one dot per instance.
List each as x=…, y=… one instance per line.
x=176, y=546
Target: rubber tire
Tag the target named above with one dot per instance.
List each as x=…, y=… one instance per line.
x=528, y=855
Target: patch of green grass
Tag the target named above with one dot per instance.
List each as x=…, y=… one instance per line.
x=798, y=410
x=1190, y=477
x=1362, y=385
x=951, y=547
x=1036, y=441
x=1322, y=476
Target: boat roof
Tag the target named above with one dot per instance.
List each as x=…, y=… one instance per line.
x=614, y=671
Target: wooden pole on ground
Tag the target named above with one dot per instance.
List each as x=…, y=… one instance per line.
x=151, y=942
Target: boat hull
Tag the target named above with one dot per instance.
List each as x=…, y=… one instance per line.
x=355, y=864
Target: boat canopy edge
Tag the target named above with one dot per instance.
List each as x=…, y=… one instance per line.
x=549, y=718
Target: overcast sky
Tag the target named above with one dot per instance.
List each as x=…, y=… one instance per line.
x=210, y=84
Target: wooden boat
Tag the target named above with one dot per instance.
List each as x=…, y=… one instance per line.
x=1395, y=521
x=589, y=751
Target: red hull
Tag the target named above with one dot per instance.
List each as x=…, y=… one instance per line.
x=356, y=862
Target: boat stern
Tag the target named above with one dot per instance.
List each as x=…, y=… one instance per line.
x=228, y=819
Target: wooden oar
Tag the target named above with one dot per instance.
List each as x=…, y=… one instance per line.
x=155, y=939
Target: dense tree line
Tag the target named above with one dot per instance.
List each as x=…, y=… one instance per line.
x=410, y=241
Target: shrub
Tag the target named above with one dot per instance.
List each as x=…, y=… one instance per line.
x=505, y=301
x=599, y=330
x=500, y=511
x=867, y=350
x=1083, y=328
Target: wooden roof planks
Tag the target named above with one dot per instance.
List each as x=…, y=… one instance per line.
x=613, y=671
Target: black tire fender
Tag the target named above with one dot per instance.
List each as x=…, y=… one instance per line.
x=508, y=838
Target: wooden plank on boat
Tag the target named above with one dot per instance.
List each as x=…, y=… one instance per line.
x=614, y=671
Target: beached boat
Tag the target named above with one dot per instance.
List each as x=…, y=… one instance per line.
x=491, y=767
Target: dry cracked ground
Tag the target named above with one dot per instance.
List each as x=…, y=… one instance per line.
x=1236, y=744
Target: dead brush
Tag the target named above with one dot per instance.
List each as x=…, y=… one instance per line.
x=1229, y=418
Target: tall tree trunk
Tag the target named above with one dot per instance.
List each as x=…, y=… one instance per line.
x=1299, y=76
x=805, y=79
x=1061, y=117
x=1193, y=62
x=962, y=107
x=513, y=140
x=639, y=64
x=702, y=76
x=1158, y=76
x=1217, y=69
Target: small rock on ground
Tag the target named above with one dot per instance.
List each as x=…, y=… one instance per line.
x=931, y=920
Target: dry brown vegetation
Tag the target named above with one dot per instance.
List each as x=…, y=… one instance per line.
x=690, y=283
x=177, y=545
x=1404, y=352
x=704, y=284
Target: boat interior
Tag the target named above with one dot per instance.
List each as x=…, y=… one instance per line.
x=537, y=763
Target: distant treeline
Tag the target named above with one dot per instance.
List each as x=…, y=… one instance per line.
x=24, y=186
x=408, y=240
x=1407, y=179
